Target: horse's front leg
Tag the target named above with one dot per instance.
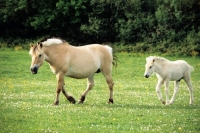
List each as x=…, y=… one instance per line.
x=60, y=87
x=167, y=92
x=90, y=85
x=176, y=87
x=69, y=98
x=158, y=86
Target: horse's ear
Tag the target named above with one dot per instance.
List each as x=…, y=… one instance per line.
x=31, y=45
x=153, y=60
x=41, y=45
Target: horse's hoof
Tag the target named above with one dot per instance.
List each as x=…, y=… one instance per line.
x=110, y=101
x=80, y=102
x=163, y=102
x=56, y=103
x=82, y=99
x=71, y=99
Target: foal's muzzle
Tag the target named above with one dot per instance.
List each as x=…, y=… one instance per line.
x=34, y=69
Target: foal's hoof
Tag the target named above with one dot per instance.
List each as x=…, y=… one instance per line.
x=110, y=101
x=71, y=99
x=163, y=102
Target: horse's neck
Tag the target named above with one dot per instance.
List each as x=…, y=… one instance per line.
x=51, y=53
x=55, y=52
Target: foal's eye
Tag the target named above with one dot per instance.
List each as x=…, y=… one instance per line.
x=150, y=67
x=40, y=55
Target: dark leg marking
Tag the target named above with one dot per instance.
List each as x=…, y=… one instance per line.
x=110, y=101
x=56, y=103
x=71, y=99
x=82, y=99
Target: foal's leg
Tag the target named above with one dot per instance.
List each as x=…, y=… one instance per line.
x=158, y=86
x=60, y=87
x=90, y=84
x=167, y=91
x=190, y=88
x=176, y=87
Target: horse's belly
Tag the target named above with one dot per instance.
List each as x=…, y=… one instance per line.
x=80, y=74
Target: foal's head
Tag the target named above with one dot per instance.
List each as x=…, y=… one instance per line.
x=37, y=55
x=149, y=67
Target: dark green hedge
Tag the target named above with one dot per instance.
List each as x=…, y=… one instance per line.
x=159, y=24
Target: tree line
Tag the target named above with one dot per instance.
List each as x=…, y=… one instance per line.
x=158, y=23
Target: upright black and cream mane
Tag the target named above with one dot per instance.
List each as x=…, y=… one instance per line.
x=51, y=41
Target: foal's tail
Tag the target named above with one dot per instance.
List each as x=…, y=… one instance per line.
x=191, y=68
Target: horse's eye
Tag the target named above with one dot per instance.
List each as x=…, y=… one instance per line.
x=150, y=67
x=40, y=55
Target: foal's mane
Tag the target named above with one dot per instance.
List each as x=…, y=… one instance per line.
x=156, y=58
x=160, y=58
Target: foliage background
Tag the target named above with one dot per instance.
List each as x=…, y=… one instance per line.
x=166, y=26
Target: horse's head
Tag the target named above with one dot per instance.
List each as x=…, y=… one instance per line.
x=37, y=55
x=149, y=67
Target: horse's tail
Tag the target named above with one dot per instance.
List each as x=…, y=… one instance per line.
x=115, y=60
x=114, y=56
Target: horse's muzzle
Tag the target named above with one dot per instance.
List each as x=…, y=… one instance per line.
x=146, y=76
x=34, y=69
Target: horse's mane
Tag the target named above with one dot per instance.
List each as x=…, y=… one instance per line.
x=47, y=41
x=156, y=58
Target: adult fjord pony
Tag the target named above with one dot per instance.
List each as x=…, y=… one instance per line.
x=75, y=62
x=167, y=71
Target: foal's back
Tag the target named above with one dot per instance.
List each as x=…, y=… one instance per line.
x=179, y=69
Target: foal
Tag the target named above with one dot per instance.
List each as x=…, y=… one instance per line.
x=167, y=71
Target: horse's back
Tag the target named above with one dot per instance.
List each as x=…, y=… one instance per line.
x=101, y=51
x=88, y=59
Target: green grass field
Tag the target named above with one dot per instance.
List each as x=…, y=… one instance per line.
x=26, y=100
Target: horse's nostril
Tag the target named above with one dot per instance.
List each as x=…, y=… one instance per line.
x=34, y=70
x=146, y=76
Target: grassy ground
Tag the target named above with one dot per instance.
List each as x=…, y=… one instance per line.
x=26, y=100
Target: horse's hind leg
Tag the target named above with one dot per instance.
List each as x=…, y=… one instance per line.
x=110, y=86
x=190, y=88
x=90, y=84
x=176, y=87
